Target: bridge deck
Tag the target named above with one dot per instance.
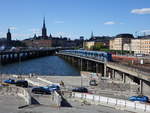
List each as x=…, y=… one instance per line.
x=122, y=68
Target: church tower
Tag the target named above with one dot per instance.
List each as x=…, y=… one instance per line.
x=8, y=35
x=92, y=35
x=44, y=30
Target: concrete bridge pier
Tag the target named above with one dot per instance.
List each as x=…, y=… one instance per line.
x=141, y=87
x=129, y=79
x=87, y=65
x=124, y=77
x=12, y=57
x=97, y=69
x=145, y=87
x=79, y=62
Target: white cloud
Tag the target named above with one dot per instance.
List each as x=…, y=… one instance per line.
x=141, y=11
x=59, y=22
x=109, y=23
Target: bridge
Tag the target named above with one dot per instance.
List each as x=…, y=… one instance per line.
x=114, y=71
x=17, y=56
x=8, y=56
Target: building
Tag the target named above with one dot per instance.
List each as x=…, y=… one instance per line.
x=88, y=44
x=136, y=45
x=50, y=41
x=44, y=30
x=104, y=40
x=9, y=35
x=121, y=42
x=38, y=43
x=141, y=46
x=7, y=42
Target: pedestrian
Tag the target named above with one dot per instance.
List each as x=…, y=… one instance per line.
x=62, y=83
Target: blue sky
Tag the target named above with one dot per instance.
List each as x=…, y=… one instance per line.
x=74, y=18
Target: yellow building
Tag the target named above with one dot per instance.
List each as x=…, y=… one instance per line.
x=138, y=46
x=88, y=44
x=141, y=46
x=121, y=42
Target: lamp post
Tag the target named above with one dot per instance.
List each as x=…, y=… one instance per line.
x=20, y=65
x=81, y=73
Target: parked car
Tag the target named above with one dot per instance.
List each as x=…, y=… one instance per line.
x=10, y=81
x=22, y=83
x=80, y=89
x=41, y=90
x=139, y=98
x=53, y=87
x=4, y=84
x=93, y=83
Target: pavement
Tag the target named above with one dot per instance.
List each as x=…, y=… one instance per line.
x=10, y=104
x=76, y=108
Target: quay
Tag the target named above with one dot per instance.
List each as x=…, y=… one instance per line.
x=77, y=103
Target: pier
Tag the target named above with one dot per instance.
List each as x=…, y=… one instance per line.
x=7, y=57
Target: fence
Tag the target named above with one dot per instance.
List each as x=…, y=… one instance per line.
x=124, y=104
x=56, y=98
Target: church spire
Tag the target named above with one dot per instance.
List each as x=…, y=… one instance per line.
x=44, y=23
x=92, y=35
x=8, y=30
x=44, y=30
x=8, y=35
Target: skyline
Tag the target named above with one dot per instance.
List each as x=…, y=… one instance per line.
x=74, y=18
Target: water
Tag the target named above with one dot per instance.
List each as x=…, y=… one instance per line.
x=51, y=65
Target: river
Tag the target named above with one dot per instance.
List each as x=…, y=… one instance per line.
x=51, y=65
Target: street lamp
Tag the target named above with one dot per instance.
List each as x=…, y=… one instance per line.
x=81, y=74
x=20, y=66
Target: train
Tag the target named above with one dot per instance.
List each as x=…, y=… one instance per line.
x=98, y=55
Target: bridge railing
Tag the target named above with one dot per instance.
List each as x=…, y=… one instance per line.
x=133, y=69
x=103, y=59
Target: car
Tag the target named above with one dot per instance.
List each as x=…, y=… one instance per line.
x=53, y=87
x=80, y=89
x=9, y=81
x=41, y=90
x=22, y=83
x=92, y=83
x=4, y=84
x=139, y=98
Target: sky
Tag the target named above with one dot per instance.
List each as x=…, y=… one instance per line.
x=74, y=18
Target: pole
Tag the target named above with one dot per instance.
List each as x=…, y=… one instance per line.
x=20, y=66
x=80, y=73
